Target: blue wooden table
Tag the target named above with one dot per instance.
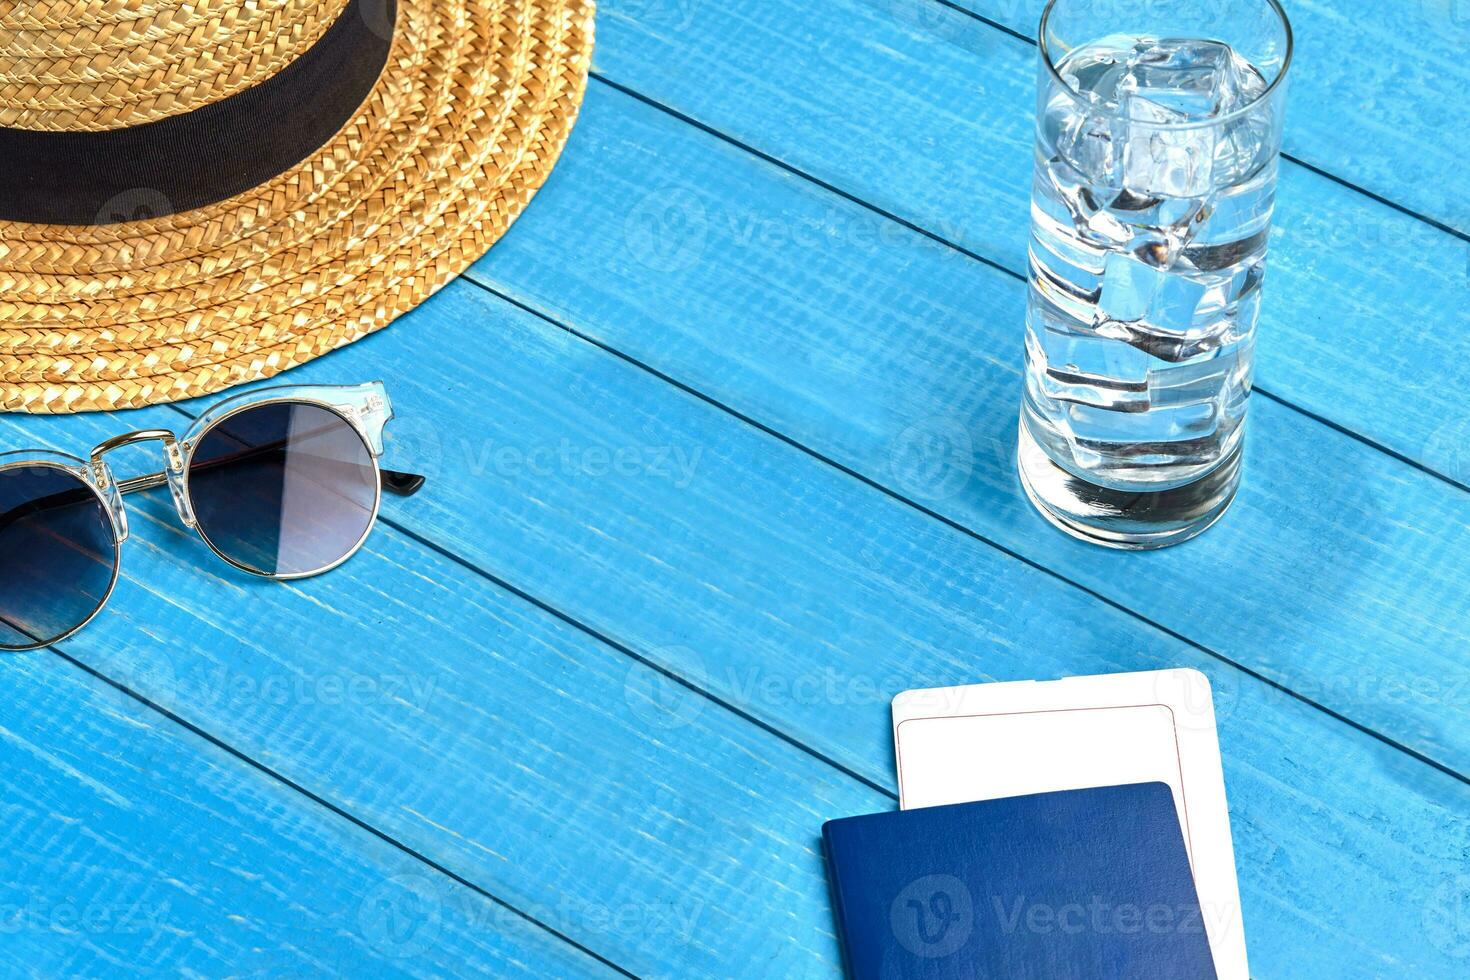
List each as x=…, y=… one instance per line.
x=719, y=440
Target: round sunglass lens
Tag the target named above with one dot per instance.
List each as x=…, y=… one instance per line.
x=58, y=555
x=283, y=489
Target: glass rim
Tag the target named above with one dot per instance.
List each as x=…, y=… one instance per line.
x=1266, y=94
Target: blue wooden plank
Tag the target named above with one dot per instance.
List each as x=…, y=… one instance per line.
x=577, y=784
x=1377, y=92
x=1336, y=574
x=130, y=845
x=1365, y=315
x=773, y=566
x=798, y=596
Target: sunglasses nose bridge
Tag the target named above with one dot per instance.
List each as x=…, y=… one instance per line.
x=173, y=474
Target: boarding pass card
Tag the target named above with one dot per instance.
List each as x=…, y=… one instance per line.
x=992, y=741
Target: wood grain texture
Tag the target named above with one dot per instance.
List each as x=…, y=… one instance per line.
x=803, y=599
x=1377, y=91
x=1365, y=319
x=630, y=814
x=1336, y=574
x=563, y=776
x=636, y=738
x=131, y=846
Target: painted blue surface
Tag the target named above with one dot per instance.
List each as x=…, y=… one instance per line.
x=718, y=439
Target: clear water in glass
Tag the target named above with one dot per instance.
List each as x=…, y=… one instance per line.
x=1156, y=166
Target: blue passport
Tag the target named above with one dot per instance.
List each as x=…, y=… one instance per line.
x=1087, y=884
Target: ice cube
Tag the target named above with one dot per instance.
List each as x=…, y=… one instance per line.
x=1185, y=429
x=1191, y=79
x=1196, y=381
x=1097, y=70
x=1093, y=144
x=1226, y=290
x=1163, y=158
x=1220, y=258
x=1097, y=79
x=1067, y=286
x=1084, y=203
x=1237, y=213
x=1135, y=291
x=1159, y=212
x=1084, y=136
x=1163, y=227
x=1168, y=347
x=1239, y=84
x=1128, y=288
x=1073, y=351
x=1173, y=86
x=1078, y=365
x=1080, y=390
x=1170, y=56
x=1246, y=144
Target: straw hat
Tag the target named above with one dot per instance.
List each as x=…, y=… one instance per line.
x=199, y=193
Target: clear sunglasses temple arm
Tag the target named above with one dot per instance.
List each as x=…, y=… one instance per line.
x=394, y=482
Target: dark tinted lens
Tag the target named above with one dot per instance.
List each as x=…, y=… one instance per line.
x=283, y=489
x=58, y=555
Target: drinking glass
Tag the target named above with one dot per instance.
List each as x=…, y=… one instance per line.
x=1157, y=145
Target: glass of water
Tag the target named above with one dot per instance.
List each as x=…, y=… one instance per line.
x=1157, y=141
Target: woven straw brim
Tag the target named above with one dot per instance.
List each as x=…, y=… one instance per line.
x=81, y=65
x=473, y=109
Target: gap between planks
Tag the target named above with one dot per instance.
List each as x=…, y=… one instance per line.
x=626, y=651
x=1001, y=267
x=623, y=649
x=731, y=412
x=333, y=808
x=710, y=696
x=914, y=505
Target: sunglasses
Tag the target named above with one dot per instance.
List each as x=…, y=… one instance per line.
x=283, y=483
